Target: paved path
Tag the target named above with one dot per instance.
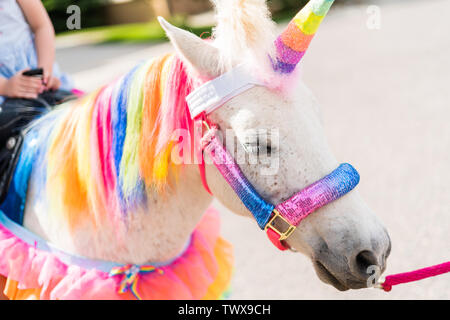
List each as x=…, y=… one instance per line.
x=386, y=104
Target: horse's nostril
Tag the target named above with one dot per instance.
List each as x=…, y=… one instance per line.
x=364, y=260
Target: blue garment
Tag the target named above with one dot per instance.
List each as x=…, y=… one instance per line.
x=17, y=48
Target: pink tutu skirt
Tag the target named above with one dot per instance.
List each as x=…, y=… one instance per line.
x=203, y=271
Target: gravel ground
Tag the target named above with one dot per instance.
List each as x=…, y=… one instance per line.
x=386, y=107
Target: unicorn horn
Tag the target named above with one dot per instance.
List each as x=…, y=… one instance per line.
x=292, y=44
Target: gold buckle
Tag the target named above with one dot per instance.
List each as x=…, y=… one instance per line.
x=283, y=234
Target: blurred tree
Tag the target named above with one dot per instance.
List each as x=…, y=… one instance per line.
x=184, y=7
x=284, y=5
x=161, y=8
x=52, y=5
x=94, y=13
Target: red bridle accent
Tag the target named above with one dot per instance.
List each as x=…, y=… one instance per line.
x=272, y=235
x=275, y=239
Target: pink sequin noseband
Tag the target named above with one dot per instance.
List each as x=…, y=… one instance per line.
x=279, y=221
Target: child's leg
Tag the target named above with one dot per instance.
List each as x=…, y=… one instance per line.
x=2, y=288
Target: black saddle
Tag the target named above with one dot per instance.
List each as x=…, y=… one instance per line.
x=15, y=116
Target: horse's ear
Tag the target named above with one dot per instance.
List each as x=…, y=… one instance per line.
x=199, y=53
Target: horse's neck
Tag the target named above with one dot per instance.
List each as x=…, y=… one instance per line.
x=154, y=236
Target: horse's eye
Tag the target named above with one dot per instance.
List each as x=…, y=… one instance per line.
x=258, y=148
x=268, y=149
x=251, y=148
x=259, y=144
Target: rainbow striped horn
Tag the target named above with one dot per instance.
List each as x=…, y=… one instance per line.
x=292, y=44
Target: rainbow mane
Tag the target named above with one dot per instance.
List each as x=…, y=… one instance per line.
x=100, y=156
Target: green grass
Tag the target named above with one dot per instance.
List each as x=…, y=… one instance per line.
x=148, y=31
x=134, y=32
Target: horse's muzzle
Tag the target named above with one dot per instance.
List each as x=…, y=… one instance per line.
x=363, y=270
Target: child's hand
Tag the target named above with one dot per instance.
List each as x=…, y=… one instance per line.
x=46, y=77
x=20, y=86
x=53, y=83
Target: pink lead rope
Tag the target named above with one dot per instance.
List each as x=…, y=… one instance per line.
x=414, y=276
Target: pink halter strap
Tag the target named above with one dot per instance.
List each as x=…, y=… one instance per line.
x=279, y=221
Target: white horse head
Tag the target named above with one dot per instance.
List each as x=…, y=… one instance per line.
x=98, y=163
x=344, y=238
